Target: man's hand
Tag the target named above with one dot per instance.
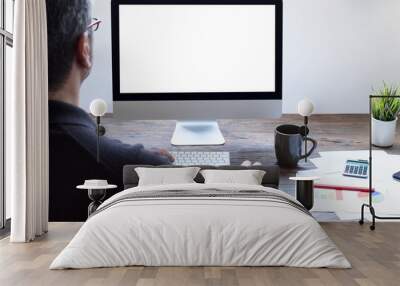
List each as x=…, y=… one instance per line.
x=163, y=152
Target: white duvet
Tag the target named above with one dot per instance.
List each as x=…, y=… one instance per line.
x=202, y=232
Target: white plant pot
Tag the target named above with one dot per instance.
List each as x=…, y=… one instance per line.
x=383, y=132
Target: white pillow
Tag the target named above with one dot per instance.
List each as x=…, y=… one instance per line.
x=247, y=177
x=166, y=176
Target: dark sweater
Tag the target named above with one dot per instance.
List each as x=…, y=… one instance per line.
x=73, y=149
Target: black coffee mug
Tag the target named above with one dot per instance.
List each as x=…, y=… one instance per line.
x=288, y=145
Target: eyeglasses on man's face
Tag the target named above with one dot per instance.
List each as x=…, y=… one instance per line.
x=94, y=26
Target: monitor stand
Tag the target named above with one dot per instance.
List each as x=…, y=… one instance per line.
x=195, y=133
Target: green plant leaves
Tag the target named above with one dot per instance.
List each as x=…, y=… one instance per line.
x=386, y=108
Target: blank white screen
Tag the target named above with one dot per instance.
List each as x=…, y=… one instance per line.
x=197, y=48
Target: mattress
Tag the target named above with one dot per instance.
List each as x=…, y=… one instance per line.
x=201, y=225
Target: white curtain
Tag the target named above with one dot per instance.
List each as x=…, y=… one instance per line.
x=27, y=122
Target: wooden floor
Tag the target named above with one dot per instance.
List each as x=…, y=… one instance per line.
x=375, y=257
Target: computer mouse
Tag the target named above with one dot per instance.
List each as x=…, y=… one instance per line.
x=396, y=176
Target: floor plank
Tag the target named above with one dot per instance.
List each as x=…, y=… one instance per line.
x=375, y=257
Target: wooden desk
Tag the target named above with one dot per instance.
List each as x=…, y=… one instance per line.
x=252, y=139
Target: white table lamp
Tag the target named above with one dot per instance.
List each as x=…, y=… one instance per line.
x=98, y=108
x=305, y=108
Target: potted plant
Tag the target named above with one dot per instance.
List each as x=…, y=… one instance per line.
x=384, y=115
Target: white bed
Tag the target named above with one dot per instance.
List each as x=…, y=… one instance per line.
x=200, y=231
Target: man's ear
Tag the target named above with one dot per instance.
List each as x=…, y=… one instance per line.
x=84, y=52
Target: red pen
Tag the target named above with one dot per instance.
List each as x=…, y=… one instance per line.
x=342, y=188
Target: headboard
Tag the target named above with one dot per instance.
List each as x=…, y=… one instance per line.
x=271, y=177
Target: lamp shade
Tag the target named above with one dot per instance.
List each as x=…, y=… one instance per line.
x=98, y=107
x=305, y=107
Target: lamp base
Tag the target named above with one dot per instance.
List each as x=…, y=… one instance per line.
x=101, y=130
x=304, y=130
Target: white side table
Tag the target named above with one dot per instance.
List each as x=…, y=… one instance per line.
x=305, y=190
x=96, y=194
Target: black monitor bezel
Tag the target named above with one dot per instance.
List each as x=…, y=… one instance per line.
x=261, y=95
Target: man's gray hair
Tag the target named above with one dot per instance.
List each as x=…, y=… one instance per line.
x=66, y=21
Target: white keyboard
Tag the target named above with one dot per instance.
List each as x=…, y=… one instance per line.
x=183, y=158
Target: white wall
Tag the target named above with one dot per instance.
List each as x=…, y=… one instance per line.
x=334, y=52
x=99, y=83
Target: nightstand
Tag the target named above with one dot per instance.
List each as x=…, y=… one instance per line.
x=97, y=190
x=305, y=190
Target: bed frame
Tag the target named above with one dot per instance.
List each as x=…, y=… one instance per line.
x=271, y=177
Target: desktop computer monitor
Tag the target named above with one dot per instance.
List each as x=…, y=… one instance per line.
x=197, y=61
